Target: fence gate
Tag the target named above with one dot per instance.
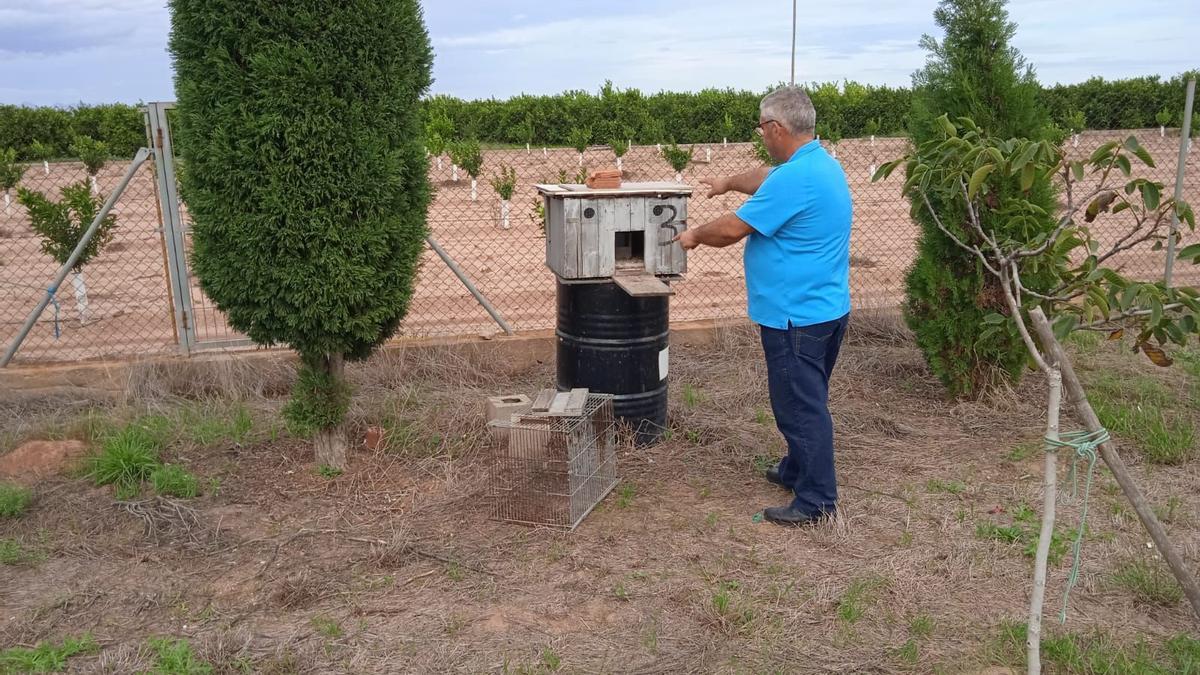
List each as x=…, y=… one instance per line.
x=198, y=322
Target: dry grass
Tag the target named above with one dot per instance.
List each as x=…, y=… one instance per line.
x=670, y=576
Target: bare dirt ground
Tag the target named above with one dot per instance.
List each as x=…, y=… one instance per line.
x=395, y=567
x=130, y=310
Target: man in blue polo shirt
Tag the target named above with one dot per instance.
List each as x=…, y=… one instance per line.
x=797, y=257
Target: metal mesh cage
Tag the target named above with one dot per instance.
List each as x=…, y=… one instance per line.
x=554, y=469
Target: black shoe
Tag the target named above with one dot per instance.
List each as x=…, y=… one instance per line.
x=773, y=476
x=792, y=516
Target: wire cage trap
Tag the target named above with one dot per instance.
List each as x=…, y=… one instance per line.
x=554, y=469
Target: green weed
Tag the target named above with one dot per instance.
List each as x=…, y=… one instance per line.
x=172, y=480
x=14, y=499
x=46, y=657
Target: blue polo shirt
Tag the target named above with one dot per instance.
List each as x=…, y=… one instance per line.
x=798, y=256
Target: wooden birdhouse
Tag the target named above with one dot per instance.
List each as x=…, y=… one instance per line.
x=622, y=234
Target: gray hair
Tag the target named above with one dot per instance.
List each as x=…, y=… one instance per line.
x=791, y=107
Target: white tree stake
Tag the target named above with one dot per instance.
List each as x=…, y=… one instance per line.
x=1162, y=131
x=95, y=188
x=872, y=142
x=678, y=177
x=454, y=172
x=871, y=171
x=526, y=148
x=618, y=164
x=504, y=209
x=7, y=202
x=46, y=167
x=544, y=154
x=724, y=142
x=439, y=162
x=708, y=154
x=81, y=300
x=581, y=160
x=474, y=192
x=1033, y=638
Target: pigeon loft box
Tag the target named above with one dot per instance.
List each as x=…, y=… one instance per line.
x=621, y=234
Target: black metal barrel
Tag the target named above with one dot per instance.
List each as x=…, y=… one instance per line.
x=613, y=343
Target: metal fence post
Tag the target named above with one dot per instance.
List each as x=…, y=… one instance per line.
x=172, y=223
x=1184, y=134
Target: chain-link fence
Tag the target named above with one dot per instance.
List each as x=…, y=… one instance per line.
x=131, y=312
x=117, y=303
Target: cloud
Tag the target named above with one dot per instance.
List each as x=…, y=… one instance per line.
x=64, y=51
x=55, y=26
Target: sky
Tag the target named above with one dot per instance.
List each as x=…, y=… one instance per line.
x=65, y=52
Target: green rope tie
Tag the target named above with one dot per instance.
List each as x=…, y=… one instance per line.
x=1083, y=445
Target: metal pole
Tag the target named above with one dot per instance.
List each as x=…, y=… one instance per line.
x=138, y=159
x=462, y=276
x=1185, y=130
x=793, y=80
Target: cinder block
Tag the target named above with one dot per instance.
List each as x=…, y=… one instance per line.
x=502, y=408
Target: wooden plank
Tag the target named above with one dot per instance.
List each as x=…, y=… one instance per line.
x=622, y=220
x=666, y=252
x=543, y=400
x=577, y=401
x=642, y=285
x=662, y=188
x=554, y=233
x=569, y=403
x=559, y=406
x=608, y=251
x=589, y=241
x=650, y=254
x=678, y=255
x=569, y=262
x=637, y=213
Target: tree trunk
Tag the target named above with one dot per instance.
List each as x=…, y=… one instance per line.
x=1033, y=638
x=1108, y=452
x=330, y=443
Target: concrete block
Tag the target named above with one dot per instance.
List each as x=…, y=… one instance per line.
x=502, y=408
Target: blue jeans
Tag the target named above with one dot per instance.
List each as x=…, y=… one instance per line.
x=799, y=363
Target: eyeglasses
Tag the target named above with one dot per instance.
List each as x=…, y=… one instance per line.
x=758, y=128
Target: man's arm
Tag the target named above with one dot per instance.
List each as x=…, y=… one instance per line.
x=726, y=230
x=746, y=183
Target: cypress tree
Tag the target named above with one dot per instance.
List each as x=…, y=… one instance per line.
x=973, y=72
x=299, y=123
